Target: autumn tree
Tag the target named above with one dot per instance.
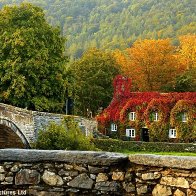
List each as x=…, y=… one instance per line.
x=151, y=64
x=32, y=60
x=186, y=55
x=123, y=60
x=187, y=51
x=93, y=75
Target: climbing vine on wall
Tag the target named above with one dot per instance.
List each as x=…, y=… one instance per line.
x=158, y=127
x=168, y=106
x=186, y=130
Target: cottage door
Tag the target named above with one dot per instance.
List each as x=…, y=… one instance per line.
x=145, y=135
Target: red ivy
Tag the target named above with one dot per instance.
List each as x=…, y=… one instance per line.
x=124, y=100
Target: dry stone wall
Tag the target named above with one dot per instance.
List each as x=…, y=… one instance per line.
x=39, y=172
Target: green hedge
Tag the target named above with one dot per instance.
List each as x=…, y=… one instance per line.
x=114, y=145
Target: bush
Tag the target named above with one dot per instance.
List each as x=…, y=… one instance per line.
x=66, y=136
x=113, y=145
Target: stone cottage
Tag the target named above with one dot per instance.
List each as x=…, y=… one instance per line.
x=149, y=116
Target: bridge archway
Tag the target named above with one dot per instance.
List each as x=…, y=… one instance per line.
x=11, y=136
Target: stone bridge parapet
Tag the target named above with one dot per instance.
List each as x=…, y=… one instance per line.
x=25, y=124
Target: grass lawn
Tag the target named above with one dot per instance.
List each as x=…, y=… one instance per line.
x=162, y=153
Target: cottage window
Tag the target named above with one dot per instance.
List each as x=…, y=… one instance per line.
x=172, y=133
x=113, y=127
x=132, y=116
x=130, y=133
x=184, y=117
x=156, y=116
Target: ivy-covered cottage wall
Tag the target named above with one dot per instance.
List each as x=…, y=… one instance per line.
x=39, y=172
x=148, y=116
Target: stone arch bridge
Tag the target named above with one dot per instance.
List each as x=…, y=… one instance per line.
x=19, y=127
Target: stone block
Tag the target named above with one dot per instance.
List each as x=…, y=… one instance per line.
x=142, y=189
x=151, y=176
x=193, y=175
x=67, y=173
x=10, y=174
x=193, y=185
x=27, y=176
x=48, y=165
x=9, y=179
x=93, y=176
x=52, y=179
x=2, y=177
x=79, y=168
x=77, y=157
x=101, y=177
x=107, y=186
x=129, y=187
x=68, y=167
x=57, y=189
x=190, y=192
x=118, y=176
x=15, y=168
x=180, y=162
x=138, y=174
x=81, y=181
x=6, y=183
x=72, y=190
x=161, y=190
x=59, y=165
x=179, y=193
x=67, y=178
x=138, y=180
x=166, y=172
x=96, y=170
x=2, y=170
x=177, y=182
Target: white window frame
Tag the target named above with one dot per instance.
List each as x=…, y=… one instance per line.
x=184, y=117
x=172, y=133
x=114, y=127
x=130, y=133
x=132, y=116
x=156, y=116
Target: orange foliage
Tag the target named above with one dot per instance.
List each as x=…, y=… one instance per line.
x=153, y=63
x=150, y=63
x=187, y=51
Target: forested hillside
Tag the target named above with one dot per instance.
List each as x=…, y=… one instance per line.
x=111, y=24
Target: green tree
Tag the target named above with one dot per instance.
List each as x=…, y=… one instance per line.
x=83, y=21
x=186, y=82
x=93, y=75
x=32, y=60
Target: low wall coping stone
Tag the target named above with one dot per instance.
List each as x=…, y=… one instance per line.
x=181, y=162
x=78, y=157
x=96, y=158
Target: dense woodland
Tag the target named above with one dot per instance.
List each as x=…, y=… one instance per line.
x=110, y=24
x=37, y=73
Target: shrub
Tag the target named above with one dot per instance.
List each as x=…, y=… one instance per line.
x=114, y=145
x=66, y=135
